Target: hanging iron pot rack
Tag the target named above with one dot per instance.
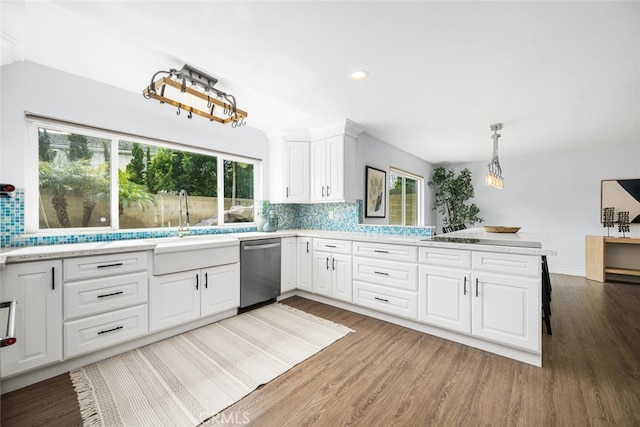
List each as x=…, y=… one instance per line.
x=193, y=91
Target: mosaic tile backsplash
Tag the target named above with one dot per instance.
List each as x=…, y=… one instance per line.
x=346, y=217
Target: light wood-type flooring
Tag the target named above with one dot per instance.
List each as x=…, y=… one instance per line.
x=387, y=375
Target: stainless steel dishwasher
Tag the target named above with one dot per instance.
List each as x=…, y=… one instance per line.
x=259, y=271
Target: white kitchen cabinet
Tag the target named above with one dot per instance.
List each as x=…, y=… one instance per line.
x=296, y=172
x=332, y=269
x=181, y=297
x=37, y=287
x=327, y=169
x=289, y=172
x=490, y=295
x=507, y=309
x=221, y=289
x=445, y=298
x=288, y=264
x=304, y=260
x=105, y=300
x=385, y=278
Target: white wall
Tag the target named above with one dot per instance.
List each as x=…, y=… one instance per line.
x=373, y=152
x=27, y=86
x=558, y=195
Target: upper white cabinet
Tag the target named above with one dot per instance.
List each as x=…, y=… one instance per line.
x=327, y=169
x=37, y=287
x=316, y=165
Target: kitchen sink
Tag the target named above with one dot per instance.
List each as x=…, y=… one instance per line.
x=174, y=254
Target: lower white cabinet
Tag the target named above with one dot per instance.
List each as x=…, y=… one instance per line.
x=332, y=275
x=178, y=298
x=288, y=265
x=507, y=309
x=504, y=308
x=37, y=287
x=304, y=261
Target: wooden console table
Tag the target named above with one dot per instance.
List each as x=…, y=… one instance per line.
x=612, y=255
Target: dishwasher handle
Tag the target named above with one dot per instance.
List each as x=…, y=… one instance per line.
x=259, y=247
x=10, y=337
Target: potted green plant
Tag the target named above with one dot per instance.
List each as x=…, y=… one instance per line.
x=451, y=194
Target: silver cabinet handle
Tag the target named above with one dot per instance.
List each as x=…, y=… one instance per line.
x=465, y=285
x=307, y=246
x=287, y=192
x=197, y=281
x=380, y=251
x=327, y=263
x=323, y=191
x=381, y=299
x=381, y=273
x=333, y=264
x=10, y=337
x=53, y=278
x=206, y=280
x=330, y=246
x=476, y=286
x=328, y=192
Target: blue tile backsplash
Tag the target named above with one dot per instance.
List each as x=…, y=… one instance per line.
x=346, y=217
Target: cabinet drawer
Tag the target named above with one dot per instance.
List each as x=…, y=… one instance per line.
x=104, y=330
x=386, y=251
x=388, y=273
x=380, y=298
x=89, y=297
x=445, y=257
x=104, y=265
x=333, y=246
x=521, y=265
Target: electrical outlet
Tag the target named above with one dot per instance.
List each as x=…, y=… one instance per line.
x=330, y=214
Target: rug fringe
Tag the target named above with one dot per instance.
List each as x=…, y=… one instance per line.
x=337, y=326
x=86, y=398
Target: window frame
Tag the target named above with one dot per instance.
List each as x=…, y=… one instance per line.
x=32, y=182
x=419, y=196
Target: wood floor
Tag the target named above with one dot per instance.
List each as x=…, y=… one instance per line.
x=388, y=375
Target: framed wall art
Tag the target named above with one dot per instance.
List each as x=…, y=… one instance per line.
x=375, y=205
x=622, y=195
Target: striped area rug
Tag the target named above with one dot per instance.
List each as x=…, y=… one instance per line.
x=186, y=379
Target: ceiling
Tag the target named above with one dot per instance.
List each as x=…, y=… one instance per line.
x=560, y=76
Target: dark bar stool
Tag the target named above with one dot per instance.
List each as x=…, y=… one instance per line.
x=546, y=294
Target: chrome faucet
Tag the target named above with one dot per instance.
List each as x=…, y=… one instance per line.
x=183, y=227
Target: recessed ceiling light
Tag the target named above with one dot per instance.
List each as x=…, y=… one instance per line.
x=359, y=75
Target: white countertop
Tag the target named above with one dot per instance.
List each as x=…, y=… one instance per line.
x=34, y=253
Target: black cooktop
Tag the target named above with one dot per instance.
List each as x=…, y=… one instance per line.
x=493, y=242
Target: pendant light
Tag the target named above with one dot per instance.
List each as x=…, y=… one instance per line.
x=494, y=174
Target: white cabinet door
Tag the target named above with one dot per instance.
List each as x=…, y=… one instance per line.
x=334, y=168
x=341, y=273
x=37, y=287
x=288, y=264
x=444, y=297
x=322, y=273
x=174, y=299
x=318, y=171
x=296, y=172
x=304, y=270
x=507, y=309
x=220, y=289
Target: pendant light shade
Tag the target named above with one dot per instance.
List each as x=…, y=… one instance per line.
x=494, y=172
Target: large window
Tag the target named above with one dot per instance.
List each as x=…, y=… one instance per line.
x=404, y=198
x=90, y=179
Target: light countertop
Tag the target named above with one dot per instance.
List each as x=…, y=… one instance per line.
x=34, y=253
